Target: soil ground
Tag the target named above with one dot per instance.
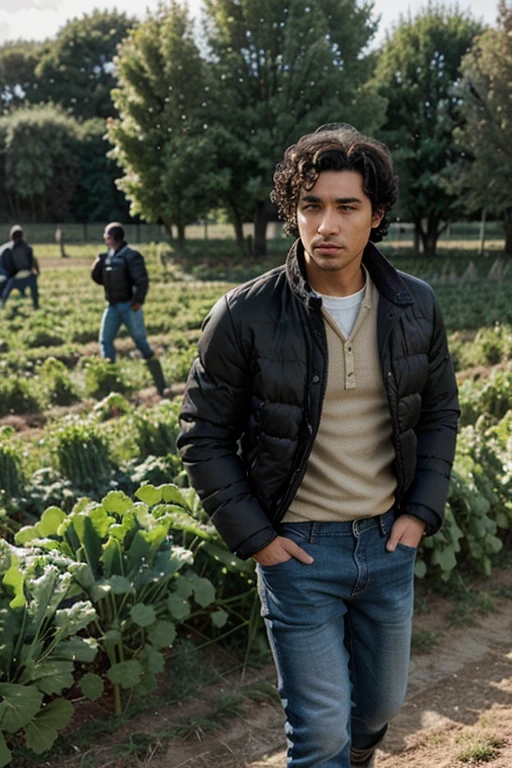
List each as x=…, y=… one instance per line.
x=458, y=710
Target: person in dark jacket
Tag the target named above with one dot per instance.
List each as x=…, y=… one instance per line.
x=122, y=272
x=318, y=427
x=18, y=267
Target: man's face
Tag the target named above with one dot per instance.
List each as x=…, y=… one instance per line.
x=109, y=240
x=334, y=220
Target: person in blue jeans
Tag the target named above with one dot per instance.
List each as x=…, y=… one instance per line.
x=18, y=267
x=318, y=427
x=122, y=272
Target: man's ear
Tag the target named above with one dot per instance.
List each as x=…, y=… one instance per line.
x=377, y=217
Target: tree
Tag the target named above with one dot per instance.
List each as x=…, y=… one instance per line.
x=161, y=139
x=38, y=162
x=486, y=89
x=97, y=197
x=416, y=72
x=77, y=69
x=281, y=68
x=18, y=82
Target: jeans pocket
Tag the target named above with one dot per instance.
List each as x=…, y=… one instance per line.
x=275, y=566
x=406, y=548
x=297, y=532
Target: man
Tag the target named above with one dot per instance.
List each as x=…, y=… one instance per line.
x=318, y=427
x=122, y=272
x=18, y=267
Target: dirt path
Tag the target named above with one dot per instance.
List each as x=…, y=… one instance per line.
x=458, y=710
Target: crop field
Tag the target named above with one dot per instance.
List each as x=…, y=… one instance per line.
x=108, y=564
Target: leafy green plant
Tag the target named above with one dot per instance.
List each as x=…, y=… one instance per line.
x=112, y=406
x=17, y=396
x=479, y=508
x=58, y=387
x=82, y=454
x=103, y=377
x=127, y=564
x=157, y=429
x=11, y=474
x=40, y=645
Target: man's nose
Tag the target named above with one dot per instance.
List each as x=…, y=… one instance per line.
x=329, y=222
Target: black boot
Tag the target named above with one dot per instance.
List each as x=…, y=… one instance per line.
x=157, y=374
x=365, y=758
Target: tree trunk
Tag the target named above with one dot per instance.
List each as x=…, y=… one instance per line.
x=181, y=236
x=481, y=247
x=417, y=238
x=430, y=237
x=507, y=224
x=238, y=224
x=260, y=231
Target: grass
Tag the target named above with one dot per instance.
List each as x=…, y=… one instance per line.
x=424, y=641
x=468, y=609
x=478, y=748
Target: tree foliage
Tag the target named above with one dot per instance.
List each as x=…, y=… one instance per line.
x=18, y=82
x=97, y=197
x=487, y=107
x=280, y=69
x=76, y=69
x=38, y=162
x=416, y=72
x=161, y=140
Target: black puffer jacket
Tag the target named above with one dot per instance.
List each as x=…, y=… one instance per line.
x=254, y=398
x=123, y=275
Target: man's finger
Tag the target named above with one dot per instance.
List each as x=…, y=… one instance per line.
x=297, y=552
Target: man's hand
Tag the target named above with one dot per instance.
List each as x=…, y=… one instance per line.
x=280, y=550
x=136, y=306
x=407, y=530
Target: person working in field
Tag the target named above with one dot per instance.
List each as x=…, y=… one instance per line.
x=318, y=426
x=122, y=272
x=18, y=267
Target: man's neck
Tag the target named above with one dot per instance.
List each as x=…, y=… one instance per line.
x=336, y=283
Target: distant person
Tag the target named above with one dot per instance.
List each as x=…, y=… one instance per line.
x=18, y=267
x=122, y=272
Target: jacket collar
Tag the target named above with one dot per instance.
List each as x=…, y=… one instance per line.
x=387, y=279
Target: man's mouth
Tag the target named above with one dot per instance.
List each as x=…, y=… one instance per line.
x=327, y=247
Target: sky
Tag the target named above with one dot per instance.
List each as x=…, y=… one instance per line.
x=41, y=19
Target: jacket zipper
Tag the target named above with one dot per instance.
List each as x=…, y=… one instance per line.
x=390, y=391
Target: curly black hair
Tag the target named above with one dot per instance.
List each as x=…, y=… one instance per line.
x=335, y=147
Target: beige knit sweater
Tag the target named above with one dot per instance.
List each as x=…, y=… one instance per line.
x=350, y=471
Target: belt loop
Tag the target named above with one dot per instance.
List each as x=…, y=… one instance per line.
x=312, y=533
x=386, y=521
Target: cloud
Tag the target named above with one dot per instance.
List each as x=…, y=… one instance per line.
x=14, y=6
x=31, y=24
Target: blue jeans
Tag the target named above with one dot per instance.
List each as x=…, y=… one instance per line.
x=113, y=317
x=21, y=283
x=340, y=632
